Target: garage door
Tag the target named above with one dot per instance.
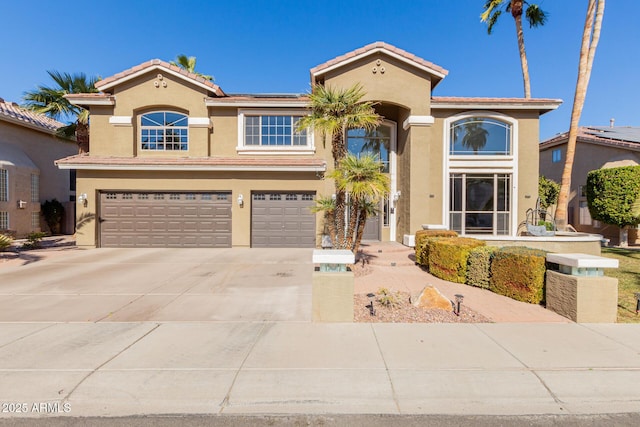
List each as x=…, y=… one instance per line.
x=282, y=220
x=190, y=220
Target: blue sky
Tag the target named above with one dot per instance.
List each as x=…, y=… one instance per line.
x=269, y=46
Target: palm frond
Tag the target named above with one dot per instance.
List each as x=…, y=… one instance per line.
x=535, y=16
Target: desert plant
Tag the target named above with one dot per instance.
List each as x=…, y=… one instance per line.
x=479, y=266
x=519, y=272
x=53, y=212
x=33, y=240
x=388, y=298
x=5, y=242
x=448, y=257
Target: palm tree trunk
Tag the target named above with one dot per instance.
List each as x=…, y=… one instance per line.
x=516, y=10
x=354, y=211
x=360, y=232
x=82, y=137
x=590, y=38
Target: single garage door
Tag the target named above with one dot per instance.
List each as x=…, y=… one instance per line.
x=176, y=220
x=282, y=220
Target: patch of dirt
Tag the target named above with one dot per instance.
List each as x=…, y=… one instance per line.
x=405, y=312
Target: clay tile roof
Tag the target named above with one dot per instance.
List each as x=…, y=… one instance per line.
x=195, y=162
x=11, y=111
x=154, y=63
x=377, y=46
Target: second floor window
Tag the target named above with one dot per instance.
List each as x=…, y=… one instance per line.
x=273, y=131
x=4, y=185
x=164, y=131
x=480, y=136
x=556, y=155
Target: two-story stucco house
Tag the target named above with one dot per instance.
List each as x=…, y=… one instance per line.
x=28, y=175
x=176, y=161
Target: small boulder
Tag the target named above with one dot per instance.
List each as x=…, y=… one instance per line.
x=430, y=297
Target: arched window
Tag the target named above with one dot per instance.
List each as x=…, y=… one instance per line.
x=164, y=131
x=480, y=136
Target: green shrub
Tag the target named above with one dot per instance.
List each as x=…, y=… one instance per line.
x=422, y=240
x=612, y=194
x=479, y=266
x=5, y=242
x=53, y=211
x=448, y=257
x=33, y=240
x=518, y=272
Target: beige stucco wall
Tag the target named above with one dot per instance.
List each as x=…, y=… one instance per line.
x=43, y=149
x=91, y=182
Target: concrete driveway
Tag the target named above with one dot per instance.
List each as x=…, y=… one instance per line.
x=124, y=285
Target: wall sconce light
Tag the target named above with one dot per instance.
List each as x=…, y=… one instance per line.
x=22, y=204
x=82, y=199
x=240, y=200
x=396, y=196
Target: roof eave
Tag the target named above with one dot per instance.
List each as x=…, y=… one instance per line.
x=106, y=100
x=33, y=126
x=542, y=107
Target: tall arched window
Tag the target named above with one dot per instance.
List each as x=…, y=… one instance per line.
x=164, y=131
x=480, y=136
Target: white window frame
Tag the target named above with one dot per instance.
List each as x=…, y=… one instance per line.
x=164, y=129
x=4, y=185
x=480, y=164
x=35, y=187
x=271, y=149
x=4, y=220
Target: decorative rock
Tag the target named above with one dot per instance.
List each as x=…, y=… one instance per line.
x=430, y=297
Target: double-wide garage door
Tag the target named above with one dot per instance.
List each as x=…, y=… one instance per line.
x=171, y=219
x=282, y=220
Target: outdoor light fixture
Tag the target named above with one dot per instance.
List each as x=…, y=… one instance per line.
x=372, y=311
x=240, y=200
x=637, y=295
x=82, y=199
x=459, y=298
x=396, y=195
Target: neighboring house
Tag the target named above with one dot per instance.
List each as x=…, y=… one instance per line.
x=28, y=175
x=176, y=161
x=597, y=147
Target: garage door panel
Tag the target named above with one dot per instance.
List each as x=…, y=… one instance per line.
x=165, y=219
x=282, y=219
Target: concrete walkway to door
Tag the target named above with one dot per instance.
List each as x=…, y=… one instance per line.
x=102, y=285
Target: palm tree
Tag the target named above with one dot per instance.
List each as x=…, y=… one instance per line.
x=590, y=38
x=327, y=205
x=534, y=15
x=189, y=64
x=333, y=112
x=365, y=183
x=51, y=102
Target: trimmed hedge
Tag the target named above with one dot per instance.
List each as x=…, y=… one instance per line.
x=422, y=239
x=479, y=266
x=518, y=273
x=448, y=257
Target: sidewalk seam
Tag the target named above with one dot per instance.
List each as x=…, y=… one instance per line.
x=227, y=396
x=28, y=335
x=66, y=398
x=386, y=368
x=530, y=369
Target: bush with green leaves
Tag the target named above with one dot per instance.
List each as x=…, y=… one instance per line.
x=53, y=212
x=479, y=266
x=548, y=191
x=613, y=194
x=33, y=240
x=448, y=257
x=518, y=272
x=5, y=242
x=422, y=239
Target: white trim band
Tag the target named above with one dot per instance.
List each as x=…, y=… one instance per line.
x=120, y=120
x=418, y=121
x=199, y=122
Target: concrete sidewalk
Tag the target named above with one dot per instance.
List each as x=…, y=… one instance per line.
x=119, y=369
